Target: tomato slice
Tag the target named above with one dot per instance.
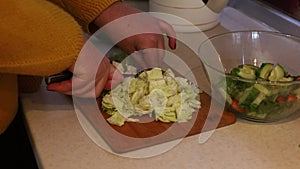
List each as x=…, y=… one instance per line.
x=235, y=106
x=280, y=99
x=297, y=78
x=291, y=98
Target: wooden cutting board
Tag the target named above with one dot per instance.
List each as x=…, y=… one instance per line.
x=133, y=136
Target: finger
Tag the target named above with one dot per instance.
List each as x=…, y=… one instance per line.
x=85, y=88
x=74, y=86
x=139, y=59
x=151, y=57
x=99, y=86
x=168, y=29
x=115, y=77
x=110, y=84
x=81, y=89
x=161, y=51
x=64, y=87
x=67, y=87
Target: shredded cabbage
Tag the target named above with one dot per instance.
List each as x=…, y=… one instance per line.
x=154, y=93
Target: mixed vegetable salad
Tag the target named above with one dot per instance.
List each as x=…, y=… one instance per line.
x=261, y=93
x=156, y=93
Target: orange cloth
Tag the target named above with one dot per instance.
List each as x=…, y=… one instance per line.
x=84, y=11
x=40, y=38
x=8, y=99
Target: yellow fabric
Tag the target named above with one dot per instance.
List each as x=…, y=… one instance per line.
x=8, y=100
x=84, y=11
x=39, y=38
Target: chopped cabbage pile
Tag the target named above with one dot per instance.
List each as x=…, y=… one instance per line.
x=156, y=93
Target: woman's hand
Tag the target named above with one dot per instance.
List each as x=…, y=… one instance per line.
x=92, y=73
x=148, y=33
x=152, y=30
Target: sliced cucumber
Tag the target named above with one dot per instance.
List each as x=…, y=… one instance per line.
x=257, y=115
x=245, y=71
x=249, y=95
x=258, y=100
x=235, y=71
x=251, y=114
x=261, y=115
x=249, y=66
x=287, y=79
x=277, y=73
x=262, y=89
x=265, y=70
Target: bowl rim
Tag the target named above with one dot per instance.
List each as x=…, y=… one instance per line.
x=249, y=31
x=260, y=81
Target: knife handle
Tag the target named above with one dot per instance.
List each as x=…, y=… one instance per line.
x=65, y=75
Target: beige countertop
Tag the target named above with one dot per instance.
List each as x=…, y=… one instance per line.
x=60, y=142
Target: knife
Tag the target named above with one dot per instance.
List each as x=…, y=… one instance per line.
x=65, y=75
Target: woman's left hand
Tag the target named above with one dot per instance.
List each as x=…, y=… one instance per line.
x=152, y=36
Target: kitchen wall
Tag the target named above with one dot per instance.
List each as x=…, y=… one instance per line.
x=290, y=7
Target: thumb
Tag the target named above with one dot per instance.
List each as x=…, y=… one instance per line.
x=115, y=77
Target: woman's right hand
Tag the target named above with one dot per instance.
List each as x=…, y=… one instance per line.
x=84, y=84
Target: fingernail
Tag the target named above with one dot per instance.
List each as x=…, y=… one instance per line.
x=173, y=45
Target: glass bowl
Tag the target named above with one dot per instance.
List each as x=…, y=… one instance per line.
x=230, y=57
